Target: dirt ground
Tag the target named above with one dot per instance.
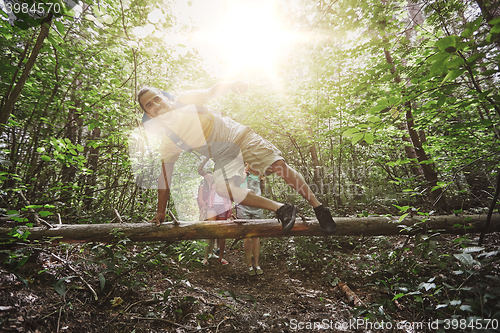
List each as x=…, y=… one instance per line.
x=220, y=299
x=178, y=297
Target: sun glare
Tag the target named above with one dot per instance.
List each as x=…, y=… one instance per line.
x=243, y=35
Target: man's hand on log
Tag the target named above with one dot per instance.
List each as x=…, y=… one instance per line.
x=158, y=219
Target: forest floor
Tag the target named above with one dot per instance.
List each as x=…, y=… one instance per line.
x=184, y=296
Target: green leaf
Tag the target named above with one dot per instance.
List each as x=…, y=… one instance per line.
x=453, y=75
x=40, y=150
x=357, y=137
x=108, y=251
x=377, y=109
x=33, y=206
x=475, y=57
x=59, y=285
x=466, y=33
x=230, y=293
x=437, y=67
x=438, y=57
x=495, y=21
x=447, y=44
x=489, y=72
x=45, y=158
x=102, y=281
x=441, y=100
x=402, y=217
x=374, y=119
x=474, y=25
x=454, y=63
x=60, y=27
x=368, y=138
x=45, y=213
x=495, y=29
x=350, y=132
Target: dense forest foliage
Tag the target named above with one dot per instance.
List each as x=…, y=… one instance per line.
x=380, y=104
x=385, y=107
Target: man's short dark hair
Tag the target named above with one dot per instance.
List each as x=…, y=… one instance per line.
x=141, y=92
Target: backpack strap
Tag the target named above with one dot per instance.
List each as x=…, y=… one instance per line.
x=179, y=143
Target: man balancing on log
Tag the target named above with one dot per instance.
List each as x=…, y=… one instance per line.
x=184, y=124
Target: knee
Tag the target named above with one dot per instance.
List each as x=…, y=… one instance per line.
x=221, y=189
x=279, y=167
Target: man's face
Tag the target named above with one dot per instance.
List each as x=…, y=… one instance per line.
x=155, y=103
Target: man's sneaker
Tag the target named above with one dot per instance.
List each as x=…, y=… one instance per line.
x=223, y=261
x=259, y=270
x=251, y=271
x=325, y=219
x=286, y=215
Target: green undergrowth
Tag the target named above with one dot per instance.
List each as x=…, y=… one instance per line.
x=430, y=278
x=434, y=279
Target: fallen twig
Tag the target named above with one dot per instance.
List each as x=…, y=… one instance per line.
x=118, y=215
x=217, y=330
x=77, y=273
x=47, y=224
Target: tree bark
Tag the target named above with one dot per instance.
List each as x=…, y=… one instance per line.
x=347, y=226
x=12, y=98
x=429, y=173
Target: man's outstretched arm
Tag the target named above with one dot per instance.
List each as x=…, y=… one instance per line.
x=164, y=180
x=224, y=87
x=200, y=97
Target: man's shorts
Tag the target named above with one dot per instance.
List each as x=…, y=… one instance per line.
x=247, y=147
x=249, y=213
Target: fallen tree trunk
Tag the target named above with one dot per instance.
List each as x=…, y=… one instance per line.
x=236, y=229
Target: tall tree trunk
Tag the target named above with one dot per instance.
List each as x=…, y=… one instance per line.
x=318, y=179
x=12, y=99
x=424, y=167
x=92, y=164
x=19, y=66
x=417, y=149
